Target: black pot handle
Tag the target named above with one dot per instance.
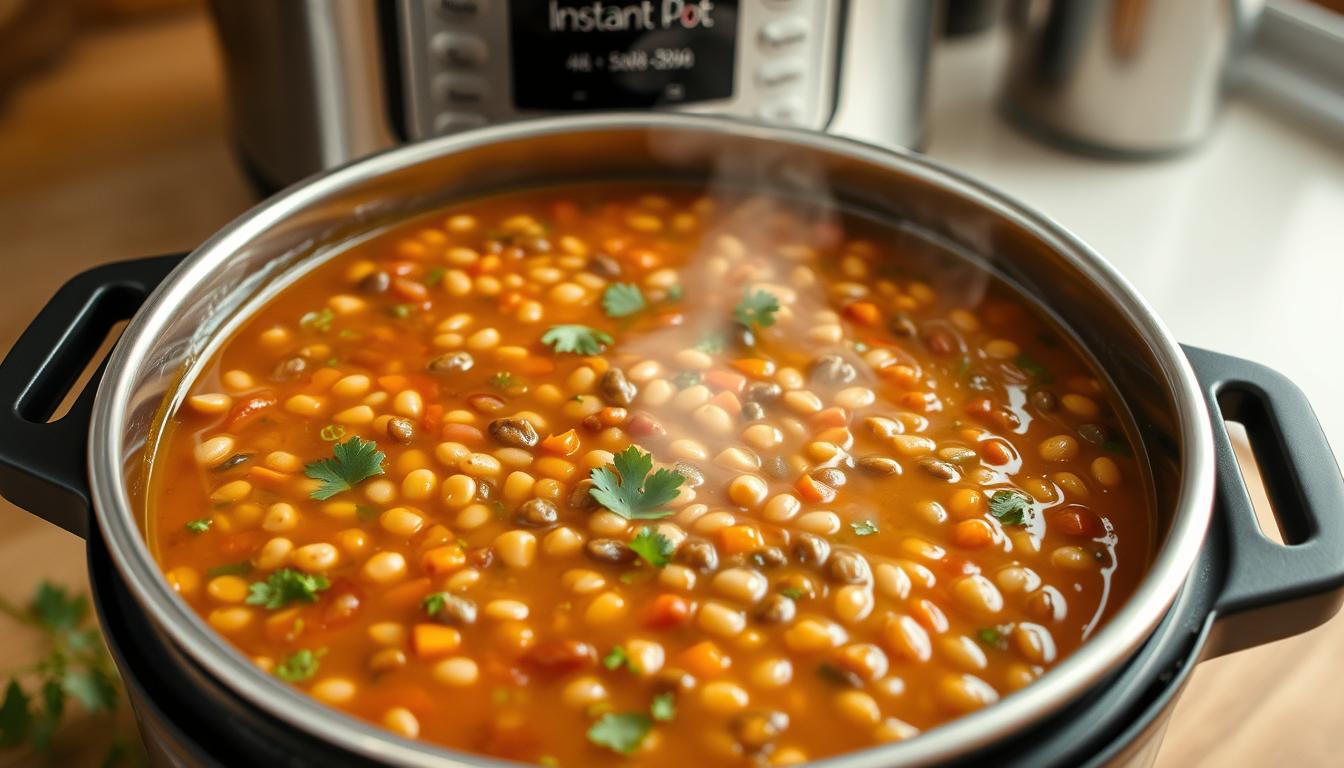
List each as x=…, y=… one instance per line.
x=1270, y=590
x=42, y=465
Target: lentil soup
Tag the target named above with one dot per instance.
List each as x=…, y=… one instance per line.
x=650, y=475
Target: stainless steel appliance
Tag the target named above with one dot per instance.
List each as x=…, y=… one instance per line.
x=315, y=84
x=1216, y=584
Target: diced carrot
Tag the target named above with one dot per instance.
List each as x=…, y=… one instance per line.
x=835, y=416
x=461, y=433
x=267, y=477
x=598, y=364
x=323, y=378
x=510, y=301
x=704, y=660
x=284, y=626
x=995, y=451
x=406, y=596
x=728, y=402
x=410, y=290
x=738, y=539
x=726, y=381
x=667, y=611
x=430, y=641
x=445, y=559
x=864, y=312
x=240, y=543
x=393, y=382
x=612, y=416
x=755, y=367
x=563, y=444
x=813, y=490
x=535, y=366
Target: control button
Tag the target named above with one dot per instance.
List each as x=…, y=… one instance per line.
x=449, y=122
x=460, y=7
x=776, y=74
x=459, y=50
x=783, y=33
x=460, y=90
x=782, y=111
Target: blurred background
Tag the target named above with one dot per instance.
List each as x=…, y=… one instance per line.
x=1197, y=144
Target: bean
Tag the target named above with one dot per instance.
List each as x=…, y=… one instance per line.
x=776, y=609
x=904, y=637
x=606, y=608
x=978, y=594
x=400, y=429
x=831, y=370
x=848, y=567
x=878, y=466
x=940, y=469
x=741, y=584
x=853, y=603
x=811, y=550
x=610, y=551
x=1034, y=642
x=1059, y=448
x=289, y=369
x=813, y=635
x=215, y=451
x=770, y=557
x=516, y=433
x=773, y=672
x=719, y=619
x=537, y=513
x=401, y=720
x=616, y=389
x=454, y=610
x=604, y=266
x=724, y=698
x=584, y=692
x=858, y=707
x=759, y=730
x=822, y=522
x=963, y=694
x=762, y=392
x=315, y=558
x=453, y=362
x=699, y=555
x=375, y=282
x=517, y=549
x=557, y=658
x=1106, y=471
x=456, y=671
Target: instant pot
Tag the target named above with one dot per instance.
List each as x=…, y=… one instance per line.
x=315, y=84
x=1216, y=583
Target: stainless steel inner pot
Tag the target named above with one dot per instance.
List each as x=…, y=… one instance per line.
x=247, y=260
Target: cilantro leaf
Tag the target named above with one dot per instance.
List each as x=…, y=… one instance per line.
x=654, y=547
x=433, y=603
x=15, y=717
x=621, y=732
x=616, y=658
x=356, y=460
x=990, y=636
x=95, y=688
x=711, y=343
x=435, y=276
x=1028, y=364
x=793, y=593
x=664, y=707
x=502, y=380
x=864, y=528
x=756, y=308
x=56, y=610
x=687, y=379
x=622, y=300
x=319, y=321
x=301, y=666
x=200, y=526
x=1009, y=507
x=631, y=491
x=579, y=339
x=287, y=586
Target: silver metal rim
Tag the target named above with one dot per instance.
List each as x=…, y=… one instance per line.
x=1110, y=646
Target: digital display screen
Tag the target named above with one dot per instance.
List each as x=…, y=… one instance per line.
x=591, y=54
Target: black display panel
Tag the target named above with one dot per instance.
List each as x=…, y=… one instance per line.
x=592, y=54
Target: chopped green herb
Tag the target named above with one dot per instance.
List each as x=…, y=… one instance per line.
x=622, y=300
x=1010, y=507
x=990, y=636
x=756, y=308
x=631, y=491
x=435, y=276
x=319, y=321
x=664, y=706
x=616, y=658
x=332, y=362
x=332, y=432
x=687, y=379
x=301, y=666
x=502, y=380
x=200, y=526
x=355, y=461
x=230, y=569
x=654, y=547
x=675, y=292
x=366, y=513
x=1031, y=366
x=350, y=333
x=793, y=593
x=711, y=343
x=433, y=603
x=402, y=311
x=579, y=339
x=548, y=761
x=621, y=732
x=864, y=528
x=860, y=347
x=287, y=586
x=629, y=577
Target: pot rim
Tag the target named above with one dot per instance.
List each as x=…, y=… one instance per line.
x=1115, y=641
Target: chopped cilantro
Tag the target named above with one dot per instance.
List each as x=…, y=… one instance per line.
x=756, y=308
x=793, y=593
x=435, y=276
x=287, y=586
x=355, y=461
x=579, y=339
x=654, y=547
x=621, y=732
x=433, y=603
x=631, y=491
x=502, y=380
x=402, y=311
x=664, y=707
x=711, y=343
x=1010, y=507
x=622, y=300
x=990, y=636
x=675, y=292
x=319, y=321
x=230, y=569
x=616, y=658
x=687, y=379
x=864, y=528
x=366, y=513
x=301, y=666
x=332, y=432
x=200, y=526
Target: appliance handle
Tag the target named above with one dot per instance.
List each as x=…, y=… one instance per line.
x=42, y=462
x=1272, y=591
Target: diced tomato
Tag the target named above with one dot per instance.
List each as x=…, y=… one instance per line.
x=667, y=611
x=248, y=409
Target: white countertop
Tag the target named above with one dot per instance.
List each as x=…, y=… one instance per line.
x=1238, y=244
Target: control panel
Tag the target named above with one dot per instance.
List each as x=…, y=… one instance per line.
x=467, y=63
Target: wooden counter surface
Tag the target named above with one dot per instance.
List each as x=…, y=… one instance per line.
x=121, y=150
